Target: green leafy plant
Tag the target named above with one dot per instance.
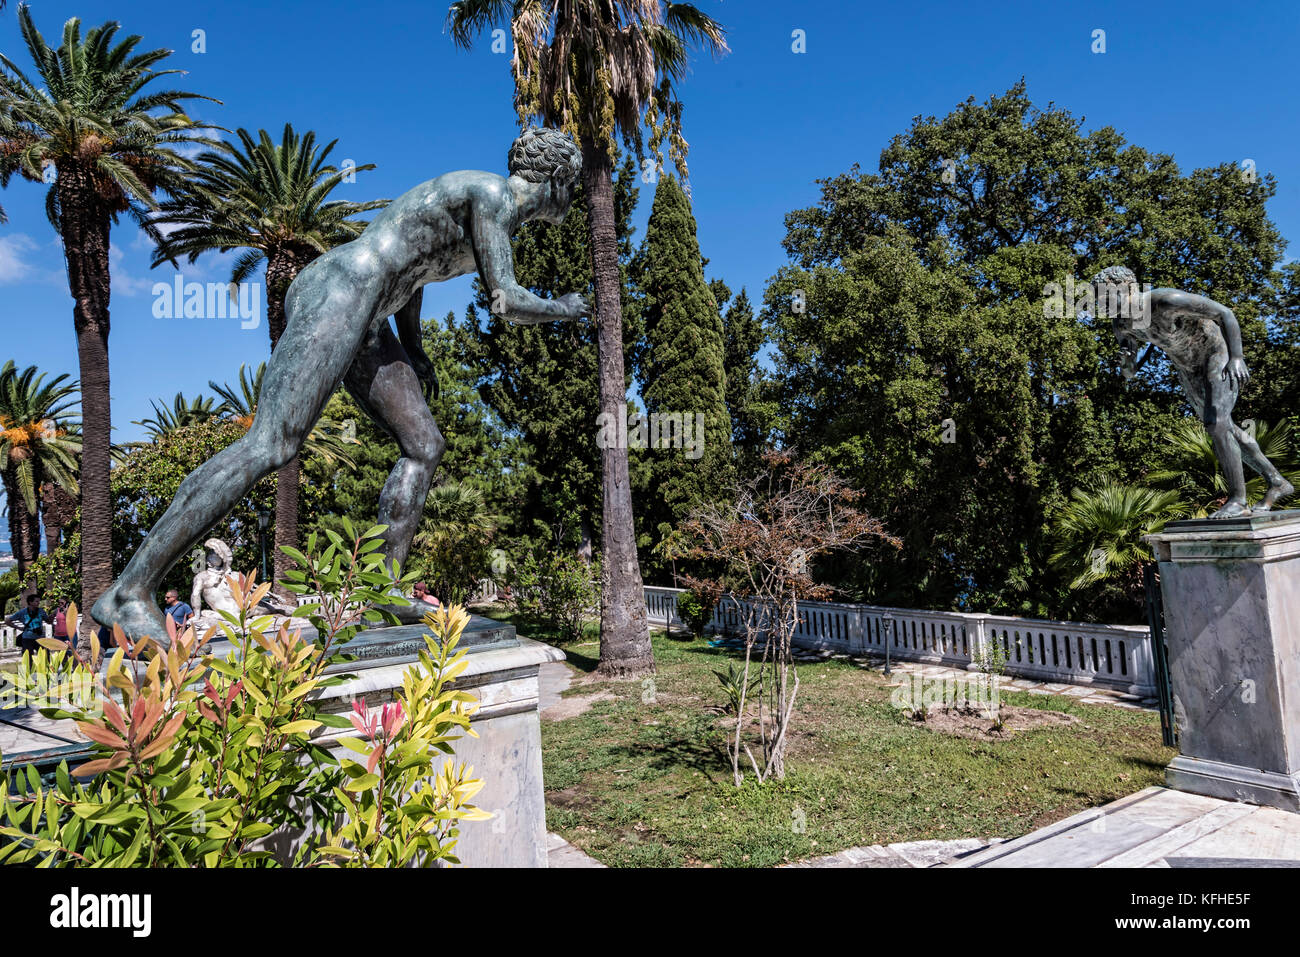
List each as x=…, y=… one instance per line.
x=695, y=607
x=555, y=590
x=198, y=759
x=733, y=683
x=407, y=809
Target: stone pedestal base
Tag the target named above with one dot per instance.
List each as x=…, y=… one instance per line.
x=1234, y=782
x=502, y=673
x=506, y=755
x=1231, y=590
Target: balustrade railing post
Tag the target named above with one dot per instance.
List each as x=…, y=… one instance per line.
x=886, y=633
x=978, y=644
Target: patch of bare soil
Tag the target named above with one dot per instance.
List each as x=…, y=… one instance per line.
x=574, y=705
x=975, y=723
x=569, y=799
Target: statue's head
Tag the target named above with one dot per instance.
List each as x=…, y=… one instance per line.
x=550, y=158
x=1112, y=285
x=1112, y=290
x=219, y=554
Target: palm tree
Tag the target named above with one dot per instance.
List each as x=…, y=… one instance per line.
x=452, y=543
x=112, y=146
x=326, y=439
x=1190, y=465
x=182, y=413
x=599, y=69
x=36, y=445
x=272, y=201
x=1098, y=535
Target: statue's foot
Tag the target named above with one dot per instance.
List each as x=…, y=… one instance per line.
x=136, y=613
x=1232, y=510
x=1276, y=492
x=411, y=614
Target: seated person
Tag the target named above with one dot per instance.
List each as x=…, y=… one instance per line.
x=421, y=593
x=31, y=620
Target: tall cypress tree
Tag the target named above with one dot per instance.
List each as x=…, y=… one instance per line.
x=743, y=336
x=683, y=370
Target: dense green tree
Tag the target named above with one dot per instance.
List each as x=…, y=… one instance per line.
x=39, y=446
x=684, y=374
x=481, y=453
x=114, y=141
x=918, y=348
x=743, y=338
x=1274, y=392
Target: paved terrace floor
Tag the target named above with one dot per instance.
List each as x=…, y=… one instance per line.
x=1157, y=827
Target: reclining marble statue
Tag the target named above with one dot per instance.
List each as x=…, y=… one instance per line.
x=337, y=328
x=1202, y=340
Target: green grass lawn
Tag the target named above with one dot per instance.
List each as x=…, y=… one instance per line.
x=649, y=784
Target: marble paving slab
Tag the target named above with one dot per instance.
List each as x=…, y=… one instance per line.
x=1158, y=827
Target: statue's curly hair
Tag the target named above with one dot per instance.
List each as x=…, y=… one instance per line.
x=541, y=153
x=1114, y=275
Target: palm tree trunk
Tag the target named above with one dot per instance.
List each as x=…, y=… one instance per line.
x=625, y=649
x=286, y=525
x=24, y=530
x=282, y=268
x=84, y=226
x=52, y=519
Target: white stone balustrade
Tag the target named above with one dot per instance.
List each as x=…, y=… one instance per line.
x=9, y=638
x=1112, y=656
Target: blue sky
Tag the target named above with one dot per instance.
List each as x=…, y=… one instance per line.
x=1206, y=82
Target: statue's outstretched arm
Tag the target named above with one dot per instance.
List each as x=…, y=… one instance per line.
x=1231, y=330
x=196, y=593
x=1235, y=370
x=496, y=268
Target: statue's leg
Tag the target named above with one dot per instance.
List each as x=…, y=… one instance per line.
x=1219, y=398
x=324, y=330
x=385, y=385
x=1278, y=487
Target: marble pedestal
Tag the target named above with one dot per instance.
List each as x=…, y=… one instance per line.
x=502, y=672
x=507, y=754
x=1231, y=590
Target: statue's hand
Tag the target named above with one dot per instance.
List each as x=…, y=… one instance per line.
x=575, y=306
x=1236, y=372
x=426, y=373
x=1128, y=359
